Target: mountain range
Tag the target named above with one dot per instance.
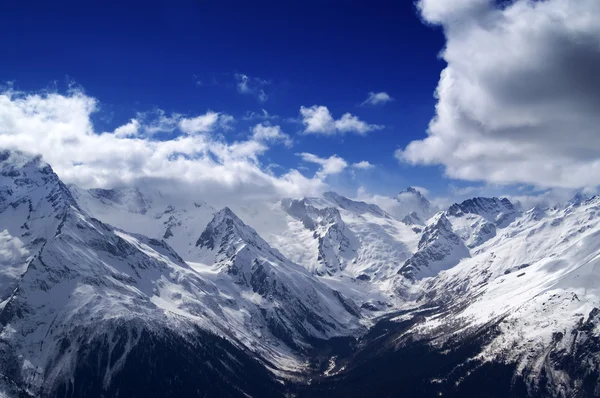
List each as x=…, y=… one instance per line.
x=138, y=292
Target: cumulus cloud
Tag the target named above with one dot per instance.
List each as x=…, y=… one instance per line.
x=12, y=258
x=156, y=121
x=252, y=85
x=205, y=123
x=266, y=133
x=518, y=101
x=130, y=129
x=11, y=249
x=318, y=120
x=363, y=165
x=375, y=99
x=60, y=128
x=331, y=165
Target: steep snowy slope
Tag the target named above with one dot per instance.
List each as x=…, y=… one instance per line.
x=148, y=211
x=354, y=247
x=74, y=287
x=519, y=317
x=538, y=281
x=357, y=238
x=296, y=306
x=453, y=234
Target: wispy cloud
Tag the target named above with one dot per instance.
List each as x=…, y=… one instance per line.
x=262, y=115
x=252, y=86
x=375, y=99
x=157, y=121
x=205, y=123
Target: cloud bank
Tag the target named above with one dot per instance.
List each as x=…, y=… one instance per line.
x=195, y=153
x=518, y=101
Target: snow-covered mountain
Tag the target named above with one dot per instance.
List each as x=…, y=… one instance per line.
x=413, y=204
x=137, y=292
x=148, y=211
x=295, y=306
x=451, y=235
x=71, y=282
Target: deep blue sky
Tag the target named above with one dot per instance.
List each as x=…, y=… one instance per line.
x=149, y=55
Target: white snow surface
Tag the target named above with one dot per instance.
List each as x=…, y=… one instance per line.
x=63, y=271
x=539, y=275
x=314, y=267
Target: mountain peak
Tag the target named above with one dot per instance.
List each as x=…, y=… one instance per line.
x=227, y=230
x=412, y=190
x=27, y=178
x=411, y=200
x=577, y=199
x=482, y=206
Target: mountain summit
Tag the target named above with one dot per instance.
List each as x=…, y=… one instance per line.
x=411, y=202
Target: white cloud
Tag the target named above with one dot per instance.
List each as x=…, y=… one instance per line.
x=128, y=130
x=157, y=121
x=252, y=86
x=11, y=249
x=441, y=11
x=318, y=120
x=518, y=101
x=59, y=127
x=331, y=165
x=364, y=165
x=205, y=123
x=422, y=190
x=390, y=205
x=267, y=133
x=377, y=99
x=262, y=115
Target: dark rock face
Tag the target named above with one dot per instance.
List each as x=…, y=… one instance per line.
x=482, y=206
x=162, y=363
x=389, y=362
x=438, y=244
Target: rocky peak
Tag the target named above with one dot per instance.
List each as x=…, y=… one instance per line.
x=27, y=179
x=439, y=248
x=336, y=242
x=482, y=206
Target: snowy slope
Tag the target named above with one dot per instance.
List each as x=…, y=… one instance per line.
x=329, y=235
x=539, y=279
x=147, y=211
x=277, y=285
x=295, y=305
x=69, y=280
x=454, y=234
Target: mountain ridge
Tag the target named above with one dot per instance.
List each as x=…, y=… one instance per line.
x=481, y=288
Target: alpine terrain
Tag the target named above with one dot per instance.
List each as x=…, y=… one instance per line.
x=137, y=291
